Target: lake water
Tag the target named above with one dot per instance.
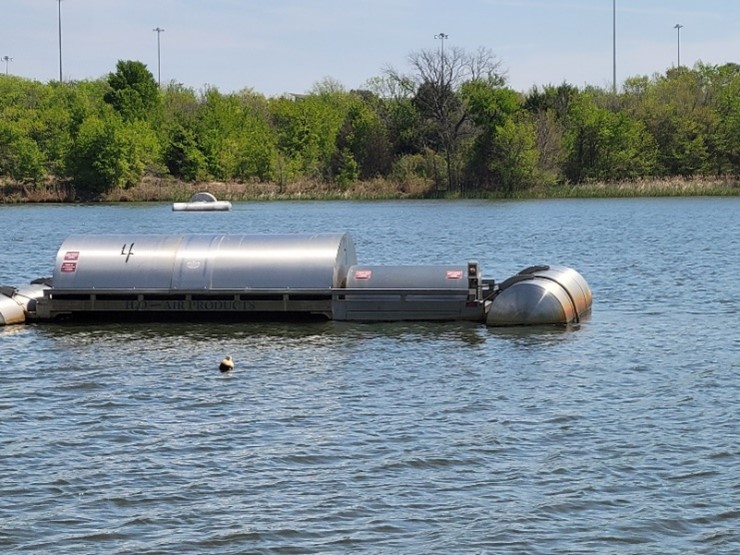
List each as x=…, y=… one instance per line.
x=618, y=436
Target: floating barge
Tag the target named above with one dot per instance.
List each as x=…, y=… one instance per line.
x=277, y=277
x=202, y=202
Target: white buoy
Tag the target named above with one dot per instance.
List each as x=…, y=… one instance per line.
x=226, y=365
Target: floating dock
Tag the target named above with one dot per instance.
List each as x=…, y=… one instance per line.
x=277, y=277
x=202, y=202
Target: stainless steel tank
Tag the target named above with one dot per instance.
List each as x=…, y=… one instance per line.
x=423, y=278
x=11, y=312
x=541, y=295
x=17, y=304
x=396, y=293
x=202, y=262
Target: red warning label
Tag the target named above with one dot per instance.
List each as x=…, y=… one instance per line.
x=71, y=255
x=363, y=274
x=69, y=266
x=454, y=274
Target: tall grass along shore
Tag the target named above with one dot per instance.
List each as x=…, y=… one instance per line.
x=172, y=190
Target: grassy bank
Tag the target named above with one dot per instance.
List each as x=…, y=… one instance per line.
x=674, y=187
x=170, y=190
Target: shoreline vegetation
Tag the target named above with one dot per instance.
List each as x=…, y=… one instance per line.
x=173, y=190
x=449, y=129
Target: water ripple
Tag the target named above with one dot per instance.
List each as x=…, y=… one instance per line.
x=616, y=437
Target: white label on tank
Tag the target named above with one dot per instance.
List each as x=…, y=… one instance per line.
x=192, y=264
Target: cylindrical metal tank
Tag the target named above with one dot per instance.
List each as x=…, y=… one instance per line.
x=409, y=277
x=202, y=262
x=16, y=303
x=541, y=295
x=11, y=312
x=397, y=293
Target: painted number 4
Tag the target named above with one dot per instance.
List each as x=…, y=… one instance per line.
x=130, y=252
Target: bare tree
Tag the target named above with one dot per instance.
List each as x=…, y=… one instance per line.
x=435, y=83
x=483, y=65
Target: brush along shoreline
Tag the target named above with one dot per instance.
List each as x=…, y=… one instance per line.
x=171, y=190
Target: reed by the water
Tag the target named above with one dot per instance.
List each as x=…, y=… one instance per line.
x=172, y=190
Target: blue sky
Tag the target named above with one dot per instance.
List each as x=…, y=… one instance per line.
x=286, y=46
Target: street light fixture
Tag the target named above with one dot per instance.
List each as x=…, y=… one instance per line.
x=678, y=27
x=159, y=30
x=7, y=59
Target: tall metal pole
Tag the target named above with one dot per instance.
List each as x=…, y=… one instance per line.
x=614, y=46
x=678, y=27
x=441, y=37
x=159, y=30
x=60, y=39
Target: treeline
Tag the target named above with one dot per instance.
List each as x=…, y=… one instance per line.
x=452, y=123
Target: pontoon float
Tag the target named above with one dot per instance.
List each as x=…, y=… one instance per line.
x=278, y=277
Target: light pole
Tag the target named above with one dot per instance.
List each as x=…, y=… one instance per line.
x=614, y=46
x=7, y=59
x=159, y=31
x=60, y=39
x=441, y=37
x=678, y=27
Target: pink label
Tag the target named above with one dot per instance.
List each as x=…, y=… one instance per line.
x=454, y=274
x=69, y=266
x=363, y=274
x=71, y=255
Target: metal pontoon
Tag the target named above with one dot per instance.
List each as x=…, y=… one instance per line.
x=280, y=276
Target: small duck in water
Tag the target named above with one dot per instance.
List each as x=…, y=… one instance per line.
x=226, y=365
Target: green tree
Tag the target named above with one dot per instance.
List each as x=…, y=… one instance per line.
x=605, y=145
x=551, y=99
x=178, y=133
x=500, y=139
x=723, y=89
x=307, y=128
x=674, y=109
x=234, y=134
x=20, y=156
x=362, y=141
x=134, y=92
x=514, y=162
x=110, y=153
x=183, y=158
x=398, y=114
x=727, y=134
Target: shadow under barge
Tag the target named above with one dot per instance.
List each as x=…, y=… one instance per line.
x=200, y=276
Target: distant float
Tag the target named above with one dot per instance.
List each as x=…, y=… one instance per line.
x=202, y=202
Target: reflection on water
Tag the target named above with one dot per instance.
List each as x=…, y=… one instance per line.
x=535, y=335
x=315, y=332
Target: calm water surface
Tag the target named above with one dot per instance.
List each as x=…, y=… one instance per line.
x=620, y=436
